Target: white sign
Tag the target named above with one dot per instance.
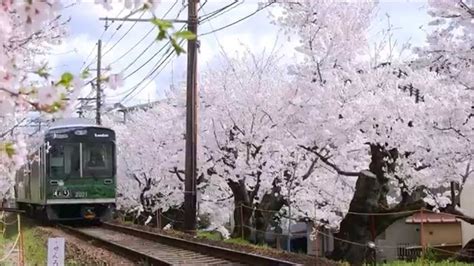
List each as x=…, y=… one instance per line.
x=103, y=135
x=56, y=251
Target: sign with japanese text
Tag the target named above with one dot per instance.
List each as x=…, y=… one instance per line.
x=56, y=251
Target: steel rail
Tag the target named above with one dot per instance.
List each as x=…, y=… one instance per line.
x=219, y=252
x=128, y=252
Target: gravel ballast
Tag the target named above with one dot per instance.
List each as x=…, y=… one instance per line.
x=270, y=252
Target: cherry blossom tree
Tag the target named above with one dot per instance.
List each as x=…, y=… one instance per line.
x=449, y=53
x=150, y=157
x=246, y=132
x=27, y=28
x=25, y=84
x=403, y=123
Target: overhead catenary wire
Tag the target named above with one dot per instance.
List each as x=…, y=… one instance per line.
x=100, y=37
x=171, y=53
x=154, y=69
x=144, y=51
x=239, y=20
x=219, y=12
x=167, y=44
x=160, y=63
x=134, y=46
x=106, y=43
x=225, y=54
x=122, y=37
x=144, y=64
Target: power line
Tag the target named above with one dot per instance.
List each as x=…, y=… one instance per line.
x=115, y=32
x=133, y=47
x=143, y=65
x=239, y=20
x=166, y=45
x=220, y=11
x=143, y=52
x=170, y=53
x=123, y=36
x=160, y=63
x=101, y=35
x=224, y=53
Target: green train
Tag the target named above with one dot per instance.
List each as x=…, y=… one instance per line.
x=72, y=175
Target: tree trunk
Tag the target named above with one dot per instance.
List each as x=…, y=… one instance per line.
x=370, y=196
x=243, y=209
x=173, y=216
x=354, y=229
x=271, y=205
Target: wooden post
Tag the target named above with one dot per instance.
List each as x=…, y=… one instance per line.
x=422, y=237
x=317, y=248
x=242, y=221
x=372, y=228
x=158, y=219
x=20, y=242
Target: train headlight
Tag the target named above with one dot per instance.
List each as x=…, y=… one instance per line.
x=80, y=132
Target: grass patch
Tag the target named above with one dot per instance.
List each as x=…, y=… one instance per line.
x=34, y=244
x=243, y=242
x=35, y=247
x=215, y=236
x=209, y=235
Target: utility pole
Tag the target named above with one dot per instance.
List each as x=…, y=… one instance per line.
x=190, y=195
x=191, y=126
x=98, y=95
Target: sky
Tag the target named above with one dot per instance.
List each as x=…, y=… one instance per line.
x=129, y=48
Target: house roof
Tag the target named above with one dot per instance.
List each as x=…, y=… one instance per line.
x=429, y=217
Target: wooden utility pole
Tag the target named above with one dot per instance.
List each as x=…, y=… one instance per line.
x=191, y=126
x=190, y=195
x=98, y=95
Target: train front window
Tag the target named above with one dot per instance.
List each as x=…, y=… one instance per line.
x=97, y=159
x=64, y=161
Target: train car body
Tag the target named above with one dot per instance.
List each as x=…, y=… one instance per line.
x=72, y=176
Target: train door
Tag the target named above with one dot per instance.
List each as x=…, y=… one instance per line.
x=27, y=175
x=42, y=172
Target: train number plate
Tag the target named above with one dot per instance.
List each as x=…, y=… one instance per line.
x=80, y=194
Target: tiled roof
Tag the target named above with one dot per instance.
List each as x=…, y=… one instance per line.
x=429, y=217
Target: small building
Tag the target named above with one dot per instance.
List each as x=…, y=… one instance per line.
x=392, y=243
x=404, y=239
x=467, y=205
x=305, y=238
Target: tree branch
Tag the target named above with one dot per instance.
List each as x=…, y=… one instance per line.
x=310, y=169
x=177, y=172
x=327, y=162
x=459, y=214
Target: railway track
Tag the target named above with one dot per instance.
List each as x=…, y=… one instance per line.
x=157, y=249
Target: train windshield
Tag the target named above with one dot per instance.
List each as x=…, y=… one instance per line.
x=97, y=159
x=81, y=160
x=65, y=161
